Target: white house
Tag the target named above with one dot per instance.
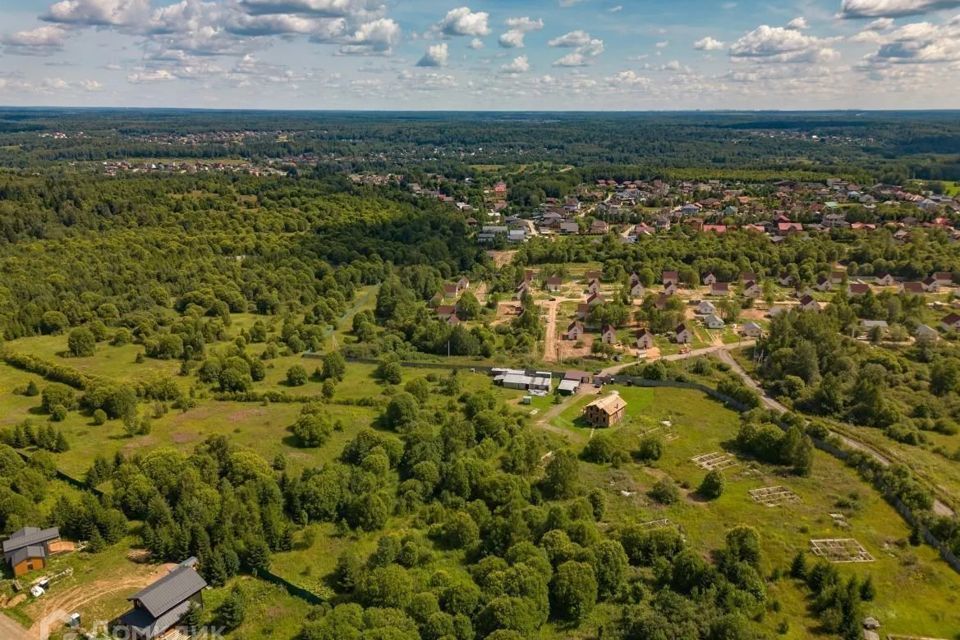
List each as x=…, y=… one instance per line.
x=706, y=308
x=609, y=335
x=574, y=331
x=752, y=289
x=713, y=322
x=751, y=330
x=645, y=340
x=683, y=335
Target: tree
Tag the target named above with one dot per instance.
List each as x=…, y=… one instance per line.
x=573, y=590
x=334, y=366
x=610, y=566
x=389, y=586
x=296, y=376
x=712, y=486
x=81, y=343
x=468, y=307
x=650, y=449
x=561, y=478
x=312, y=428
x=798, y=566
x=232, y=611
x=402, y=411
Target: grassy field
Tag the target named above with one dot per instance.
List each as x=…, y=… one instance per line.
x=917, y=593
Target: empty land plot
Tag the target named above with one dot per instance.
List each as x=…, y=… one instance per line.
x=773, y=496
x=840, y=550
x=716, y=461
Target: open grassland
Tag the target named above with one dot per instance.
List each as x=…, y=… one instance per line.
x=917, y=594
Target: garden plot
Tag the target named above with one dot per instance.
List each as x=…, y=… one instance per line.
x=773, y=496
x=716, y=461
x=840, y=550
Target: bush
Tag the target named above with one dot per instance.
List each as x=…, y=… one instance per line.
x=81, y=342
x=650, y=449
x=665, y=492
x=712, y=486
x=296, y=376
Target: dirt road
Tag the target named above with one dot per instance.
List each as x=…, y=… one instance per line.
x=550, y=340
x=10, y=630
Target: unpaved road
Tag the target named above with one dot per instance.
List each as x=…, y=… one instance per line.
x=10, y=630
x=550, y=341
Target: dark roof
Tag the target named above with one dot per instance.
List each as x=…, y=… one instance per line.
x=149, y=626
x=169, y=591
x=29, y=536
x=26, y=553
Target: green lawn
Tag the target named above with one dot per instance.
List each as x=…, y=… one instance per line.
x=918, y=594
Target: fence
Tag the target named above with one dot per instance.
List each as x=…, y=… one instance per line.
x=294, y=590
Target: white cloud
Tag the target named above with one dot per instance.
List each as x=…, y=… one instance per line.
x=517, y=28
x=880, y=24
x=476, y=43
x=777, y=44
x=464, y=22
x=571, y=40
x=518, y=65
x=917, y=43
x=663, y=44
x=98, y=12
x=629, y=79
x=708, y=44
x=616, y=9
x=325, y=8
x=571, y=60
x=43, y=40
x=798, y=23
x=376, y=37
x=892, y=8
x=436, y=56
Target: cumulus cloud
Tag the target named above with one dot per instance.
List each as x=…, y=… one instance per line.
x=462, y=21
x=629, y=79
x=42, y=41
x=518, y=65
x=892, y=8
x=517, y=29
x=100, y=13
x=586, y=47
x=921, y=42
x=798, y=23
x=571, y=40
x=476, y=43
x=377, y=37
x=325, y=8
x=708, y=44
x=436, y=56
x=777, y=44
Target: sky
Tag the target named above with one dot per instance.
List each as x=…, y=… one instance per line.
x=482, y=54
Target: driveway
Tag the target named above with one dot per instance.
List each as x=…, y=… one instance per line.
x=10, y=630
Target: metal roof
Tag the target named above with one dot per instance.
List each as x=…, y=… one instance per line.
x=170, y=590
x=29, y=536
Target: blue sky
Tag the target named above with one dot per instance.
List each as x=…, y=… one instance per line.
x=484, y=54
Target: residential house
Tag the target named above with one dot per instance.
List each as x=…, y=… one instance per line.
x=951, y=322
x=885, y=280
x=593, y=287
x=645, y=340
x=554, y=283
x=594, y=299
x=869, y=326
x=583, y=311
x=721, y=289
x=807, y=303
x=463, y=284
x=705, y=308
x=671, y=277
x=748, y=276
x=599, y=228
x=823, y=284
x=926, y=333
x=752, y=290
x=751, y=330
x=451, y=290
x=785, y=279
x=837, y=277
x=574, y=331
x=857, y=289
x=943, y=278
x=637, y=289
x=569, y=228
x=160, y=607
x=713, y=321
x=28, y=549
x=913, y=288
x=670, y=288
x=446, y=311
x=683, y=335
x=608, y=334
x=605, y=412
x=709, y=279
x=931, y=285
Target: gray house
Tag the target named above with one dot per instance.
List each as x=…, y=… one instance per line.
x=159, y=608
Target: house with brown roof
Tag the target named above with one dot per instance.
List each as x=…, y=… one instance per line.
x=554, y=283
x=807, y=303
x=605, y=412
x=748, y=276
x=608, y=335
x=951, y=322
x=913, y=288
x=721, y=289
x=645, y=339
x=943, y=278
x=451, y=290
x=671, y=277
x=857, y=289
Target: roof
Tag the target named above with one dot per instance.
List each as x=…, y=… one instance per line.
x=26, y=553
x=169, y=591
x=951, y=319
x=149, y=626
x=569, y=385
x=29, y=536
x=611, y=404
